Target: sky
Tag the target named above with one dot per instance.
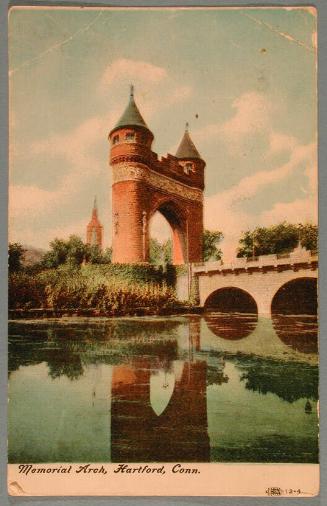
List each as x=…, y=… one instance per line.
x=244, y=79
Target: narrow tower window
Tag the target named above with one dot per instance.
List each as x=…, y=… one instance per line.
x=130, y=136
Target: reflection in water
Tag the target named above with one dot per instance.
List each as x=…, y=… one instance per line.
x=296, y=381
x=231, y=325
x=69, y=349
x=179, y=433
x=160, y=390
x=298, y=331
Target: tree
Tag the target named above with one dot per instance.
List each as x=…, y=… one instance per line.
x=160, y=253
x=308, y=235
x=211, y=239
x=76, y=251
x=94, y=255
x=107, y=256
x=278, y=239
x=71, y=252
x=57, y=254
x=15, y=256
x=167, y=251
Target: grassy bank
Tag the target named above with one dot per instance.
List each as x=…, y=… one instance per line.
x=107, y=289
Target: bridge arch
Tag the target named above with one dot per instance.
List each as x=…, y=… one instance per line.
x=297, y=296
x=294, y=314
x=261, y=283
x=231, y=299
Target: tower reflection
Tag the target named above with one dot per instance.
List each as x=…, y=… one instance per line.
x=178, y=433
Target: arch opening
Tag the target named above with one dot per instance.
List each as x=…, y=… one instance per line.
x=231, y=313
x=167, y=241
x=231, y=300
x=298, y=296
x=160, y=240
x=294, y=314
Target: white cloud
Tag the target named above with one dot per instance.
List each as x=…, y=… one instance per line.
x=155, y=88
x=41, y=239
x=252, y=113
x=125, y=69
x=281, y=142
x=249, y=185
x=75, y=151
x=28, y=200
x=298, y=211
x=251, y=116
x=224, y=210
x=76, y=146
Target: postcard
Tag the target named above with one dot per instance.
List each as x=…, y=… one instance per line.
x=163, y=258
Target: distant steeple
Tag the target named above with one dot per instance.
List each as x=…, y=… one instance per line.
x=94, y=229
x=131, y=116
x=187, y=149
x=95, y=208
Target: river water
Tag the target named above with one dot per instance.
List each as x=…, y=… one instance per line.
x=219, y=387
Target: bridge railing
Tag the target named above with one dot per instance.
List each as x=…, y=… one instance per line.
x=296, y=256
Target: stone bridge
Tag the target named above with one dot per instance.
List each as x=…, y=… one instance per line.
x=260, y=277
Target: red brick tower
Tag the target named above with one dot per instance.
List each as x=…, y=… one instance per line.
x=94, y=229
x=143, y=184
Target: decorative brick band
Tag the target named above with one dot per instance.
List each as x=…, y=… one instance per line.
x=122, y=172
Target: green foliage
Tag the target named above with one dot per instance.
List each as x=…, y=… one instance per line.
x=211, y=239
x=15, y=256
x=277, y=239
x=160, y=254
x=112, y=288
x=308, y=235
x=26, y=291
x=93, y=254
x=57, y=254
x=74, y=252
x=106, y=256
x=268, y=376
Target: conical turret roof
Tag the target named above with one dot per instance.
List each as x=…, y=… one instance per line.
x=131, y=116
x=187, y=148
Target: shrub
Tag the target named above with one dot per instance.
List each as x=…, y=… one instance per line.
x=108, y=288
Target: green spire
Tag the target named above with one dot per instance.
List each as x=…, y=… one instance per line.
x=186, y=149
x=131, y=116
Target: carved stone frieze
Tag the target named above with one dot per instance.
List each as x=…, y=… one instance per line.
x=123, y=172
